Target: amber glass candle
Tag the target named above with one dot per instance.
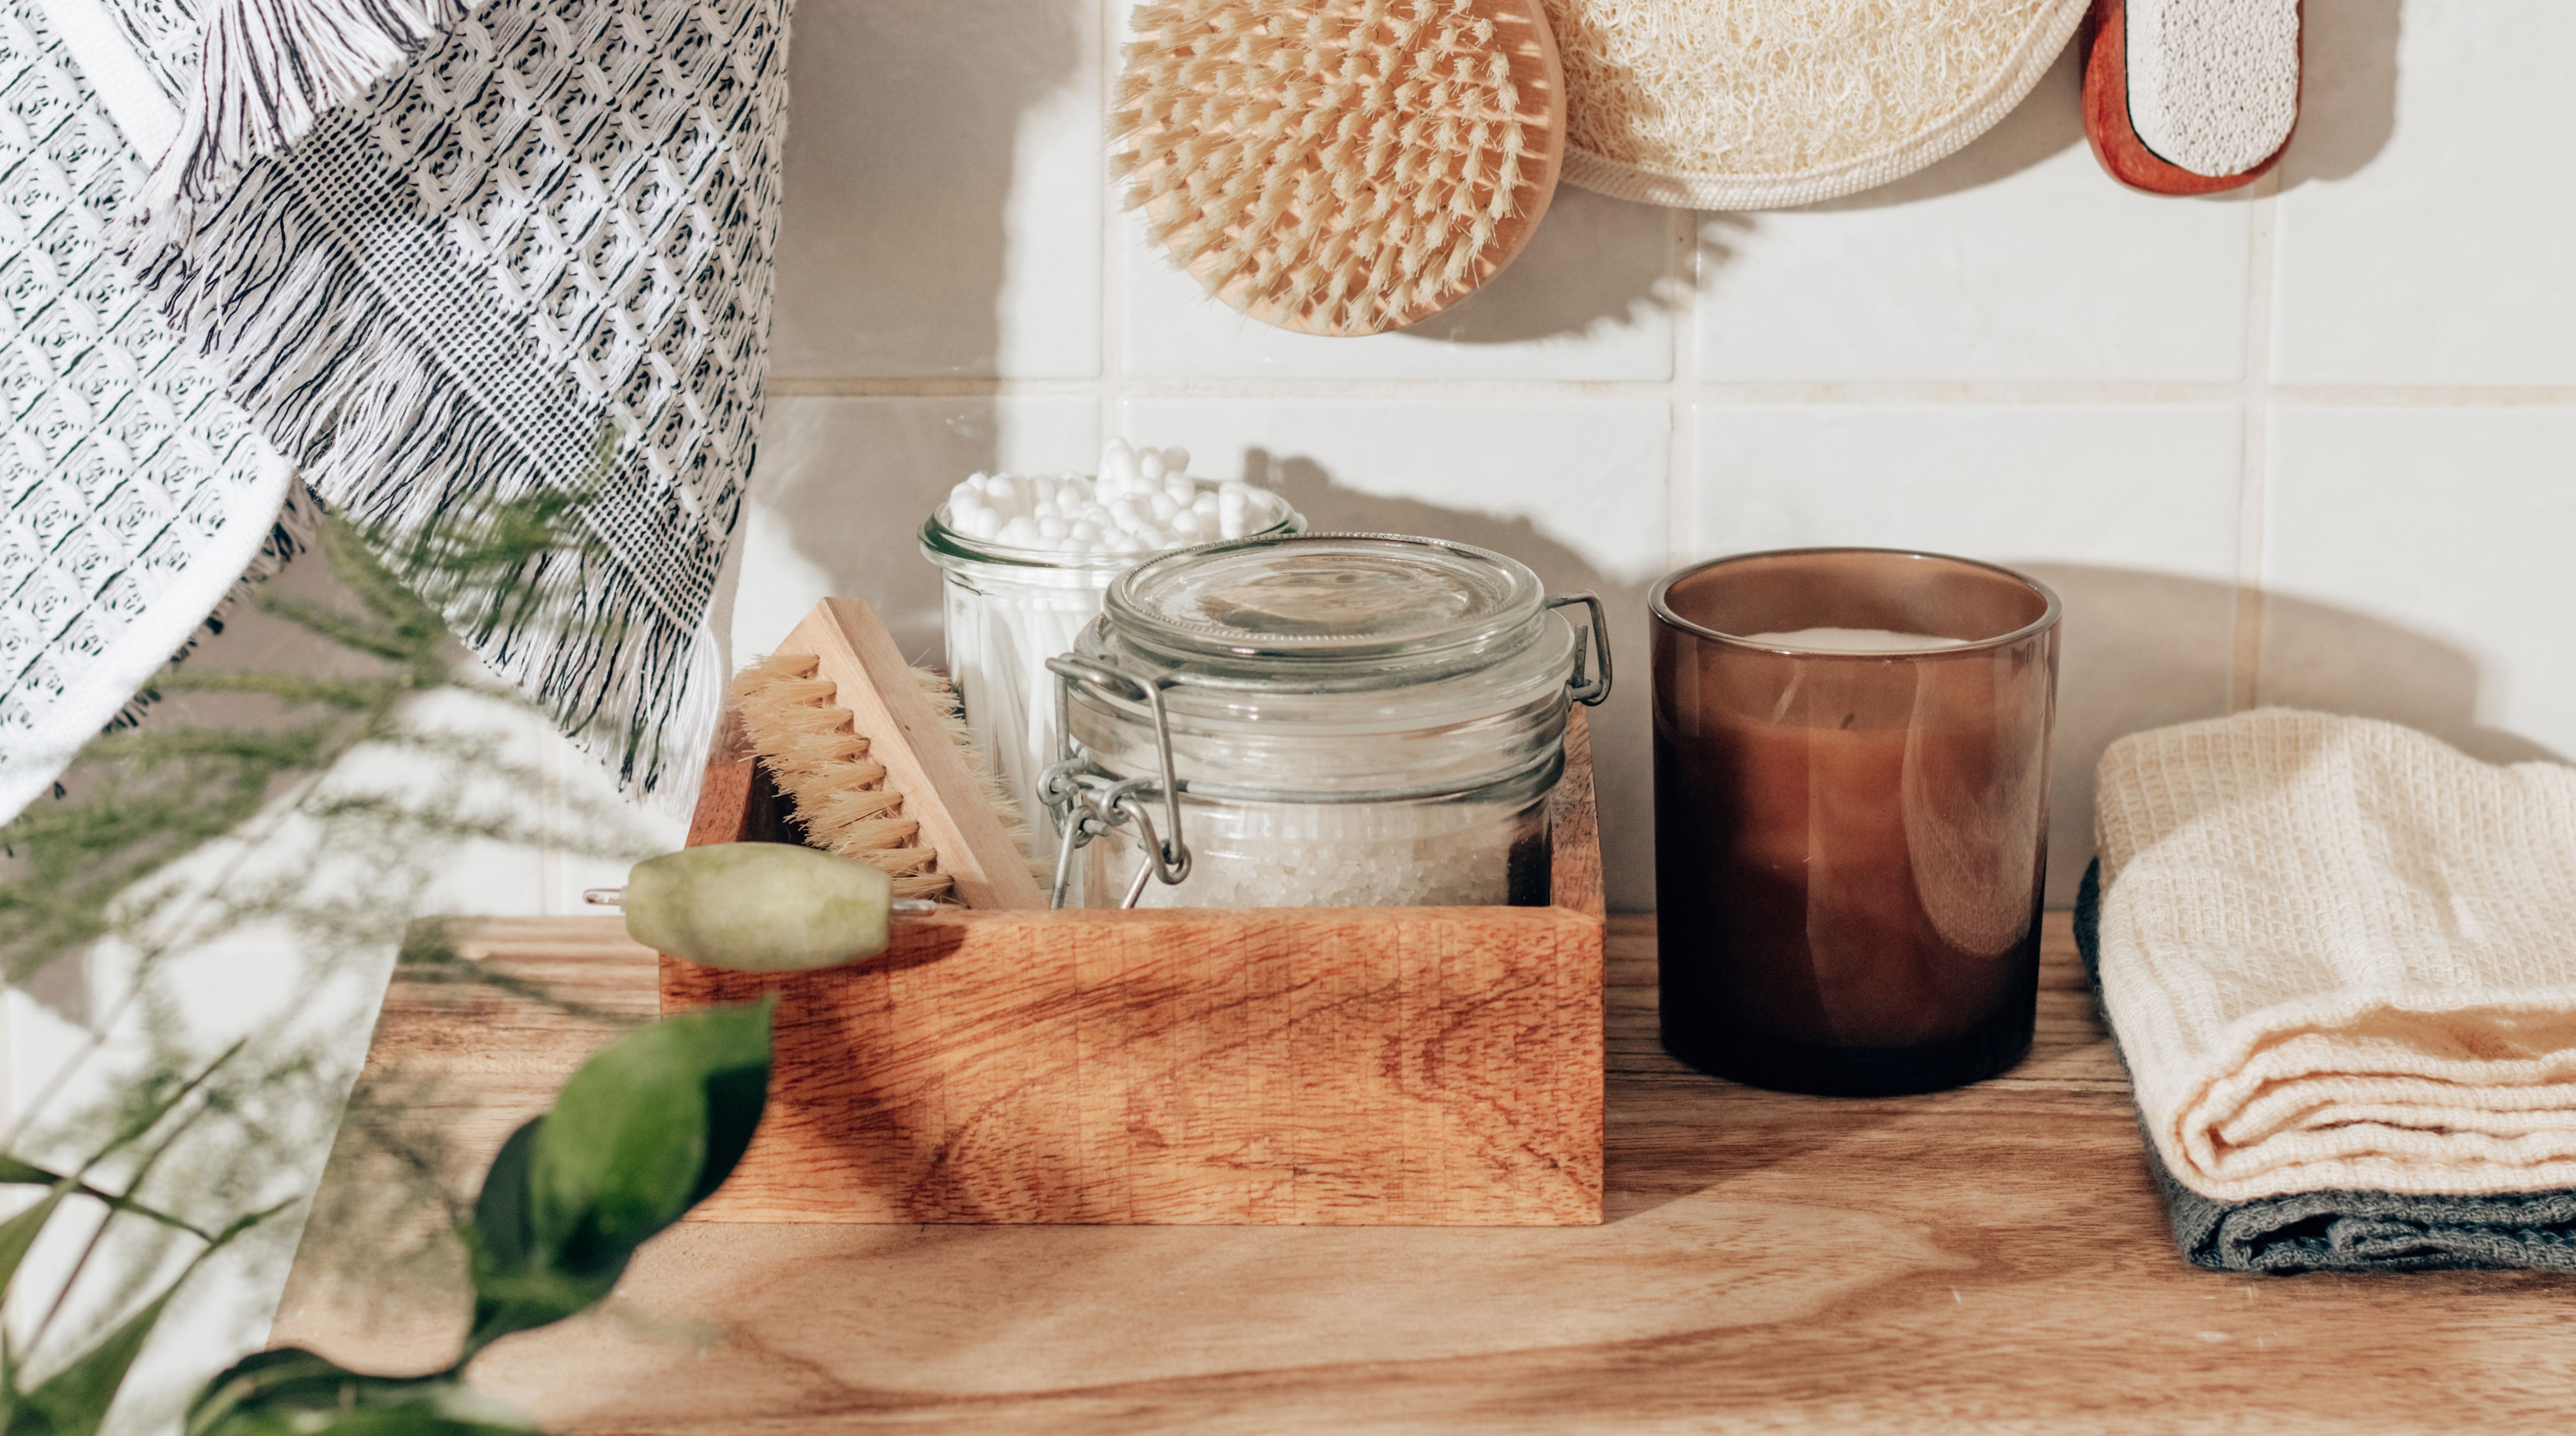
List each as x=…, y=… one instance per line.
x=1851, y=816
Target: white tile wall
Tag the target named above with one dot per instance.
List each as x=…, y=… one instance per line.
x=2440, y=258
x=2418, y=568
x=943, y=210
x=1573, y=487
x=2013, y=259
x=2323, y=392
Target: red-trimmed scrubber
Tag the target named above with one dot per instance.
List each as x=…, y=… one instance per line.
x=2191, y=96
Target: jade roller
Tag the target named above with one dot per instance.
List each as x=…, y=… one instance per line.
x=758, y=907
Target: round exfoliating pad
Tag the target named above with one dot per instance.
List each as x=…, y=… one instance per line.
x=1340, y=166
x=1759, y=104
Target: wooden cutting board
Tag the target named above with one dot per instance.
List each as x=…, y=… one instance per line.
x=1990, y=1259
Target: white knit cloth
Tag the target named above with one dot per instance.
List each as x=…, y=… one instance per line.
x=2342, y=955
x=134, y=497
x=1759, y=104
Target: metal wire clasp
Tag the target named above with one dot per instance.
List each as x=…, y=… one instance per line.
x=1589, y=692
x=1086, y=802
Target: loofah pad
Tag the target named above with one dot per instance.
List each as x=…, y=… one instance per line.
x=1340, y=166
x=1757, y=104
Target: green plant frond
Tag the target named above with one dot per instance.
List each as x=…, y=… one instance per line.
x=243, y=1223
x=293, y=690
x=479, y=562
x=74, y=1400
x=18, y=1173
x=365, y=633
x=84, y=868
x=156, y=1098
x=271, y=750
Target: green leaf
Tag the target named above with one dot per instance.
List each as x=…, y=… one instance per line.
x=644, y=1131
x=296, y=1393
x=16, y=1173
x=515, y=1286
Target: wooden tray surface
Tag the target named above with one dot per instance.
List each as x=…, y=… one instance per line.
x=1992, y=1259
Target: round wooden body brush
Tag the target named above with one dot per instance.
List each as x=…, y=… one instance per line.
x=1341, y=166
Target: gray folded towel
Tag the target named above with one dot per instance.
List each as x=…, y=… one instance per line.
x=2350, y=1231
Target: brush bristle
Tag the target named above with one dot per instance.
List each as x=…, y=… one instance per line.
x=840, y=795
x=1342, y=162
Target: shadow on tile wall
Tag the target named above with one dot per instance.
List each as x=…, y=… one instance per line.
x=2132, y=657
x=2348, y=102
x=845, y=483
x=1560, y=284
x=892, y=243
x=2337, y=661
x=2050, y=119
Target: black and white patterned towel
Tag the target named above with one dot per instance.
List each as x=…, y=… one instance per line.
x=429, y=257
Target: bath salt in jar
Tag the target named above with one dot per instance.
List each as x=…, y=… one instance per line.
x=1024, y=561
x=1344, y=720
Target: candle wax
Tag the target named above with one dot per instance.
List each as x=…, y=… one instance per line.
x=1850, y=850
x=1854, y=640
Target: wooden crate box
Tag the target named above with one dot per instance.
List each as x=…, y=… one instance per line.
x=1348, y=1066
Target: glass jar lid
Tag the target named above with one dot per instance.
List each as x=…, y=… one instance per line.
x=1322, y=605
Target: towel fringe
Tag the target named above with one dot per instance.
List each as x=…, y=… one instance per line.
x=346, y=390
x=271, y=69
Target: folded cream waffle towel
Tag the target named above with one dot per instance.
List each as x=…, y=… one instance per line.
x=2349, y=1231
x=2341, y=955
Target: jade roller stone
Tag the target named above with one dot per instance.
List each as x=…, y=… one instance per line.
x=758, y=907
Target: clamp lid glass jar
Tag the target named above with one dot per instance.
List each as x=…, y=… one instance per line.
x=1342, y=720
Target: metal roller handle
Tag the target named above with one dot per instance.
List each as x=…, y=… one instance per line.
x=900, y=907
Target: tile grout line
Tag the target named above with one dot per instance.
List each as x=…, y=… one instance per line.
x=1818, y=394
x=2253, y=480
x=1681, y=494
x=1106, y=385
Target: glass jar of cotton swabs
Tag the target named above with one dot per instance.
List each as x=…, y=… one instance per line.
x=1327, y=720
x=1025, y=560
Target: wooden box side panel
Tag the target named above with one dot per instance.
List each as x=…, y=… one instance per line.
x=1319, y=1066
x=1404, y=1066
x=1574, y=829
